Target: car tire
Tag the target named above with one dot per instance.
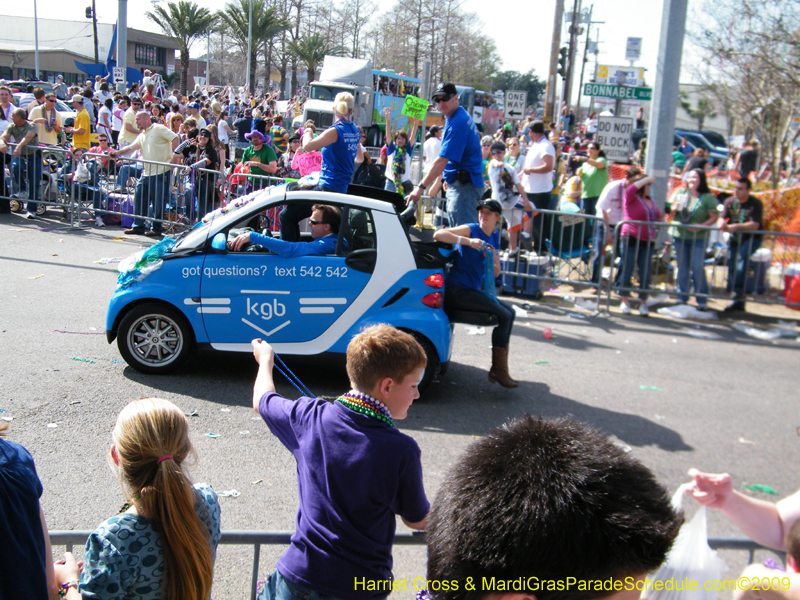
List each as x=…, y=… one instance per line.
x=432, y=363
x=154, y=338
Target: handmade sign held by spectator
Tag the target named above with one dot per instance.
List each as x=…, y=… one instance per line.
x=415, y=107
x=310, y=162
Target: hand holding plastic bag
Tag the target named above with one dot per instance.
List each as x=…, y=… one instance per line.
x=690, y=560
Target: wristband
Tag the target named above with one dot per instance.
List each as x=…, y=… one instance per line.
x=421, y=186
x=459, y=241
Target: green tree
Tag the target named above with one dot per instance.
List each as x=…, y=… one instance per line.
x=267, y=23
x=705, y=108
x=516, y=81
x=185, y=22
x=310, y=50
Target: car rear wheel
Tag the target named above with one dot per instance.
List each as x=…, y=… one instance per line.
x=432, y=361
x=154, y=338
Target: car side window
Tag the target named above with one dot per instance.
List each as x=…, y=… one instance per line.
x=358, y=231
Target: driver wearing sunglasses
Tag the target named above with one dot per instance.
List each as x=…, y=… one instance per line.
x=324, y=224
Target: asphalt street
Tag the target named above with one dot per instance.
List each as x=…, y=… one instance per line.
x=722, y=404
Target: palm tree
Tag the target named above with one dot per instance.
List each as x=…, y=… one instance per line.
x=311, y=50
x=267, y=23
x=185, y=22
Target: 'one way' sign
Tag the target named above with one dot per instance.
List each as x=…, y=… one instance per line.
x=515, y=105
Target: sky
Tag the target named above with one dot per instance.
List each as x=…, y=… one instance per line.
x=520, y=48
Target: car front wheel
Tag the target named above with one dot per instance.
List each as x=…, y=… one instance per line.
x=154, y=338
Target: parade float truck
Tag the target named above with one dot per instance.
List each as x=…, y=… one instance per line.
x=373, y=90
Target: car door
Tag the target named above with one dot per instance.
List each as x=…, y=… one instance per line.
x=247, y=295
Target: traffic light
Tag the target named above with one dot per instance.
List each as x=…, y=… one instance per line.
x=562, y=62
x=88, y=12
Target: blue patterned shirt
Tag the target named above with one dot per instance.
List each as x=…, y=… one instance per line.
x=123, y=556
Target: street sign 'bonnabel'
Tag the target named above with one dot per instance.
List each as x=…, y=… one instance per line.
x=617, y=91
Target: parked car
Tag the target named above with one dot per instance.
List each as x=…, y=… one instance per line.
x=203, y=294
x=718, y=156
x=20, y=85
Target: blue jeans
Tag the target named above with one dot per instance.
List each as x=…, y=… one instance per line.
x=26, y=173
x=462, y=203
x=459, y=298
x=126, y=171
x=636, y=253
x=691, y=256
x=600, y=236
x=740, y=261
x=152, y=192
x=279, y=588
x=290, y=218
x=589, y=205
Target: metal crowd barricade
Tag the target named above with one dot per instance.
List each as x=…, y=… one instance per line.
x=757, y=266
x=258, y=538
x=565, y=251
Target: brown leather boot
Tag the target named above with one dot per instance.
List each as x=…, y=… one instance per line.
x=499, y=370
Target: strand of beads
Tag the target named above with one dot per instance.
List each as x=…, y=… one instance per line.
x=367, y=405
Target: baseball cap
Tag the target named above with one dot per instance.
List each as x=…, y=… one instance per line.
x=435, y=129
x=77, y=98
x=445, y=91
x=492, y=205
x=193, y=105
x=498, y=147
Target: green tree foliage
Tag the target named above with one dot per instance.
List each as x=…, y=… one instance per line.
x=310, y=51
x=524, y=82
x=185, y=22
x=267, y=23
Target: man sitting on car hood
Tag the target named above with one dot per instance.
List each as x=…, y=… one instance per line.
x=324, y=223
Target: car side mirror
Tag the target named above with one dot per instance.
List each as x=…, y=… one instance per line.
x=220, y=244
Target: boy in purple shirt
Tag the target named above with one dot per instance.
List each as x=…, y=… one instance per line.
x=355, y=470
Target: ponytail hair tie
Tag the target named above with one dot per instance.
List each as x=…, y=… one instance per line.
x=163, y=458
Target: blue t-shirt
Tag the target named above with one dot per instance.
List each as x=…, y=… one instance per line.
x=467, y=269
x=461, y=146
x=354, y=474
x=124, y=558
x=320, y=247
x=338, y=159
x=22, y=551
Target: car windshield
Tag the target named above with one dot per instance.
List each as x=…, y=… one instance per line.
x=328, y=93
x=197, y=236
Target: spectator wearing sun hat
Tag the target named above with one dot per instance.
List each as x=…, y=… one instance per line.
x=260, y=158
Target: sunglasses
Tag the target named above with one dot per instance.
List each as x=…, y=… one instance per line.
x=50, y=99
x=313, y=222
x=442, y=98
x=497, y=153
x=202, y=135
x=102, y=140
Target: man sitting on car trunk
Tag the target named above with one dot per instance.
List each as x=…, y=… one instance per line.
x=324, y=222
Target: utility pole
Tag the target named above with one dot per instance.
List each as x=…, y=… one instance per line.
x=665, y=95
x=550, y=93
x=94, y=28
x=122, y=40
x=573, y=42
x=586, y=52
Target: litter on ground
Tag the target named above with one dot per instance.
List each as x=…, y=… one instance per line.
x=684, y=311
x=759, y=334
x=476, y=331
x=229, y=493
x=650, y=388
x=759, y=487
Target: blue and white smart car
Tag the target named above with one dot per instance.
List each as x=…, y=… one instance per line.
x=197, y=292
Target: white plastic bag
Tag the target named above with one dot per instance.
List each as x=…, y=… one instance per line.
x=690, y=560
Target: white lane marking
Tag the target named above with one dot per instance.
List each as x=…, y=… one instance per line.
x=267, y=333
x=323, y=300
x=221, y=310
x=317, y=310
x=264, y=292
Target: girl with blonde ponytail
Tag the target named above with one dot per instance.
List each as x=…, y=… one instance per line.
x=163, y=542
